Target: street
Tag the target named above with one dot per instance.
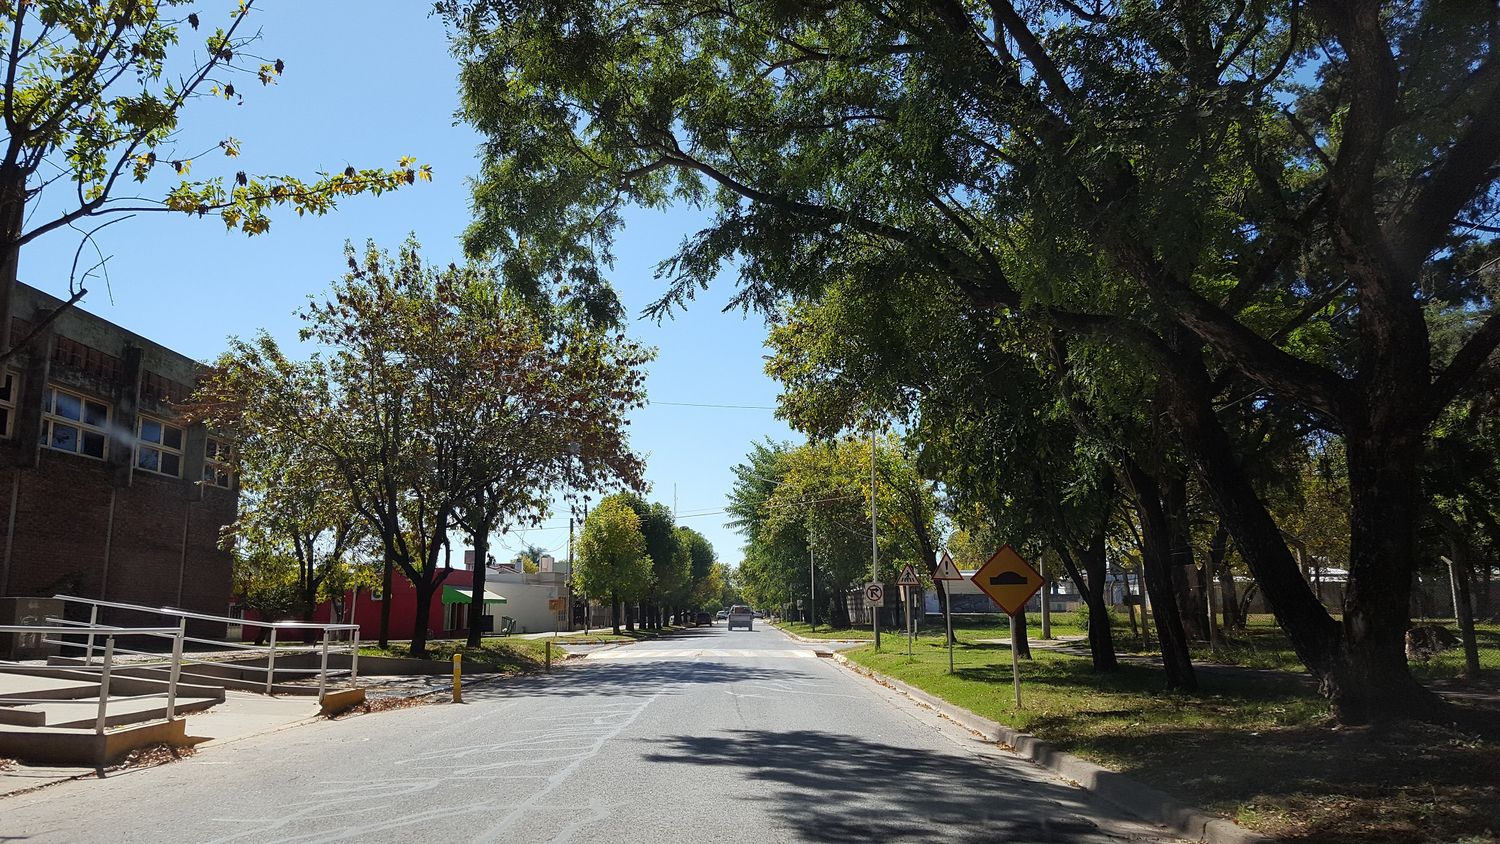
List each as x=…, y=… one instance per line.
x=710, y=735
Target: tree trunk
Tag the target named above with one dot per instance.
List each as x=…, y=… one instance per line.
x=1361, y=663
x=1458, y=575
x=425, y=588
x=1184, y=571
x=385, y=604
x=838, y=612
x=476, y=599
x=1018, y=639
x=1371, y=680
x=1229, y=603
x=1155, y=559
x=614, y=612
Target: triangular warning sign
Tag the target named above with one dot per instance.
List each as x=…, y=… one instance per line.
x=908, y=577
x=946, y=570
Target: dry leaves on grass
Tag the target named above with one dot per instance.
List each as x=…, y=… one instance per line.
x=152, y=755
x=8, y=764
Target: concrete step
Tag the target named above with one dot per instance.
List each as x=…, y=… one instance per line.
x=226, y=676
x=85, y=712
x=14, y=686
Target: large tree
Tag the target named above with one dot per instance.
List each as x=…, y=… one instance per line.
x=436, y=389
x=94, y=98
x=1240, y=193
x=612, y=560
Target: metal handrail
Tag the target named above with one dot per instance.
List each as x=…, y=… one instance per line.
x=101, y=720
x=205, y=617
x=330, y=633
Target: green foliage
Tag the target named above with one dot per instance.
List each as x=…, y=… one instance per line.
x=436, y=388
x=612, y=559
x=95, y=97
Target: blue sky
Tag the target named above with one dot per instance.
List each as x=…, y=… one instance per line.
x=366, y=82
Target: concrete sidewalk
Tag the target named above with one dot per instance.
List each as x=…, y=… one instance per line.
x=241, y=715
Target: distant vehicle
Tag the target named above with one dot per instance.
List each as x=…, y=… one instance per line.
x=740, y=615
x=722, y=614
x=703, y=618
x=759, y=614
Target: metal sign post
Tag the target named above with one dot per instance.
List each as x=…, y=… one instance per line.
x=909, y=583
x=1015, y=662
x=1010, y=582
x=947, y=571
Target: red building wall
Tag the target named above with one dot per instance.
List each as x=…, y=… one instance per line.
x=365, y=610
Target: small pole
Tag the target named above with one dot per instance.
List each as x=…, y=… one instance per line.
x=549, y=656
x=354, y=659
x=176, y=669
x=458, y=678
x=1041, y=564
x=1015, y=662
x=906, y=594
x=271, y=662
x=88, y=655
x=323, y=669
x=109, y=659
x=948, y=616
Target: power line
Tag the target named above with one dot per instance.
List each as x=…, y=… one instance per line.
x=705, y=405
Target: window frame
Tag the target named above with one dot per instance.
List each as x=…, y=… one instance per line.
x=51, y=419
x=159, y=446
x=8, y=405
x=215, y=467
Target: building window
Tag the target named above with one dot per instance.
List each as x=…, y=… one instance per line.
x=8, y=387
x=73, y=423
x=216, y=462
x=159, y=447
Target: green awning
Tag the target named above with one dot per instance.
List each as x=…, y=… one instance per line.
x=459, y=595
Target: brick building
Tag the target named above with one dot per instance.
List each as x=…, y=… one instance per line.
x=105, y=492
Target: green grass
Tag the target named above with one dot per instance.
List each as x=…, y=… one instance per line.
x=964, y=627
x=509, y=655
x=1256, y=749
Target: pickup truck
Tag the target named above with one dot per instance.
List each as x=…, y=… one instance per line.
x=740, y=615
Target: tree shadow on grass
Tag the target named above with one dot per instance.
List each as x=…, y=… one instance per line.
x=1411, y=782
x=837, y=787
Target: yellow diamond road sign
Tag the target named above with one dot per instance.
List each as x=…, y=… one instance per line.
x=1009, y=580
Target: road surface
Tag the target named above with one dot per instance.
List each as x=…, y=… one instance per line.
x=708, y=736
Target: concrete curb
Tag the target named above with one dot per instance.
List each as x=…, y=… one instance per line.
x=790, y=635
x=1136, y=798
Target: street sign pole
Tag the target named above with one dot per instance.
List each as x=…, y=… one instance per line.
x=948, y=617
x=907, y=592
x=1015, y=662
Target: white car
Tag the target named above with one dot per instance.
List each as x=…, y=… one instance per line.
x=739, y=614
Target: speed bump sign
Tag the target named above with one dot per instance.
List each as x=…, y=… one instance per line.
x=1008, y=579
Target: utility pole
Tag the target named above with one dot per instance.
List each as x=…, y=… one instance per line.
x=874, y=548
x=812, y=587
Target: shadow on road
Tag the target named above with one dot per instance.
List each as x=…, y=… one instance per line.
x=625, y=678
x=837, y=787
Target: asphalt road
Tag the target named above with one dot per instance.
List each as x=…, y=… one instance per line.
x=711, y=736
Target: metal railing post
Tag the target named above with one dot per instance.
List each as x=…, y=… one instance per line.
x=323, y=669
x=109, y=658
x=354, y=660
x=271, y=662
x=176, y=669
x=88, y=654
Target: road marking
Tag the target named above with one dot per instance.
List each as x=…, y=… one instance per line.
x=637, y=652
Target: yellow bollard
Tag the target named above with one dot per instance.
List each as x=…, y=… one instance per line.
x=458, y=678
